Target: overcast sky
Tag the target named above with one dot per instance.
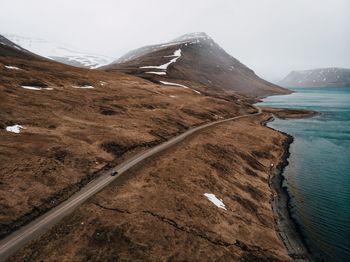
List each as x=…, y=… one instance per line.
x=272, y=37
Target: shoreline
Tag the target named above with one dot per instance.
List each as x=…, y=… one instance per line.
x=286, y=227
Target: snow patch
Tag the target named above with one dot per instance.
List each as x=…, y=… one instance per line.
x=217, y=202
x=84, y=87
x=156, y=73
x=14, y=129
x=171, y=44
x=177, y=54
x=164, y=67
x=12, y=67
x=56, y=50
x=176, y=84
x=173, y=84
x=36, y=88
x=192, y=36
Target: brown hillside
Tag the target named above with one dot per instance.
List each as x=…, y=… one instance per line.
x=202, y=61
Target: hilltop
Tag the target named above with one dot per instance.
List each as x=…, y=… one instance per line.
x=194, y=58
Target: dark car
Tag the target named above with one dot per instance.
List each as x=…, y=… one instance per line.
x=114, y=173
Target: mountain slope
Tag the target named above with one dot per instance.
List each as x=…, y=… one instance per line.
x=49, y=111
x=63, y=126
x=322, y=77
x=9, y=48
x=60, y=52
x=198, y=59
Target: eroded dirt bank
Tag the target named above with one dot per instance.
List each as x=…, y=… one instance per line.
x=158, y=211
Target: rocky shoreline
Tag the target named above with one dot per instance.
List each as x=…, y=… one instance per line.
x=286, y=227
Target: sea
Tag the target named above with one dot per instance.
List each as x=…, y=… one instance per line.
x=318, y=175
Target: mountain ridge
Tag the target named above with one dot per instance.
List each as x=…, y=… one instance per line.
x=59, y=52
x=202, y=62
x=318, y=77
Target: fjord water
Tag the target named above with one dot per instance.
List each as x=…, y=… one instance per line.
x=318, y=175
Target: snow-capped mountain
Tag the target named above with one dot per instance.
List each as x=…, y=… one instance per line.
x=192, y=36
x=6, y=42
x=187, y=38
x=10, y=49
x=196, y=58
x=60, y=52
x=321, y=77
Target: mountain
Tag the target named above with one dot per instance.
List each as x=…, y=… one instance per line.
x=60, y=52
x=9, y=48
x=321, y=77
x=6, y=42
x=194, y=58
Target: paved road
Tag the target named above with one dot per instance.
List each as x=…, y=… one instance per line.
x=37, y=227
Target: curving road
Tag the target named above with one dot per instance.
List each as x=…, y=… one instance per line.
x=37, y=227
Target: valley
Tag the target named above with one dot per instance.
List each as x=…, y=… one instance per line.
x=71, y=125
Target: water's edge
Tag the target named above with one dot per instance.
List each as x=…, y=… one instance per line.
x=286, y=226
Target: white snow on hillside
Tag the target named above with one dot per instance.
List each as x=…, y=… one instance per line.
x=156, y=73
x=188, y=39
x=173, y=84
x=176, y=55
x=12, y=67
x=36, y=88
x=84, y=87
x=191, y=36
x=60, y=52
x=217, y=202
x=14, y=129
x=176, y=84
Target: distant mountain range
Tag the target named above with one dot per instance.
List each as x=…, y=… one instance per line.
x=322, y=77
x=196, y=58
x=60, y=52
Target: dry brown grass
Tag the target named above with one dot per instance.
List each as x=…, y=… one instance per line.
x=71, y=134
x=157, y=211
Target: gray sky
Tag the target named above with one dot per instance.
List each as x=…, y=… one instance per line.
x=272, y=37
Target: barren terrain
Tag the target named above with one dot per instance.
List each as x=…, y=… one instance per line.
x=158, y=211
x=77, y=123
x=70, y=134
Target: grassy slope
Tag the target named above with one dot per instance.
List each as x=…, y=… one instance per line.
x=70, y=134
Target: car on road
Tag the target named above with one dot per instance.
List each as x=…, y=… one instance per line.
x=114, y=173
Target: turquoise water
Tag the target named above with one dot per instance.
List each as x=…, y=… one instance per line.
x=318, y=176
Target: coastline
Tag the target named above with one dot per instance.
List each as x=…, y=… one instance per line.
x=246, y=231
x=286, y=227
